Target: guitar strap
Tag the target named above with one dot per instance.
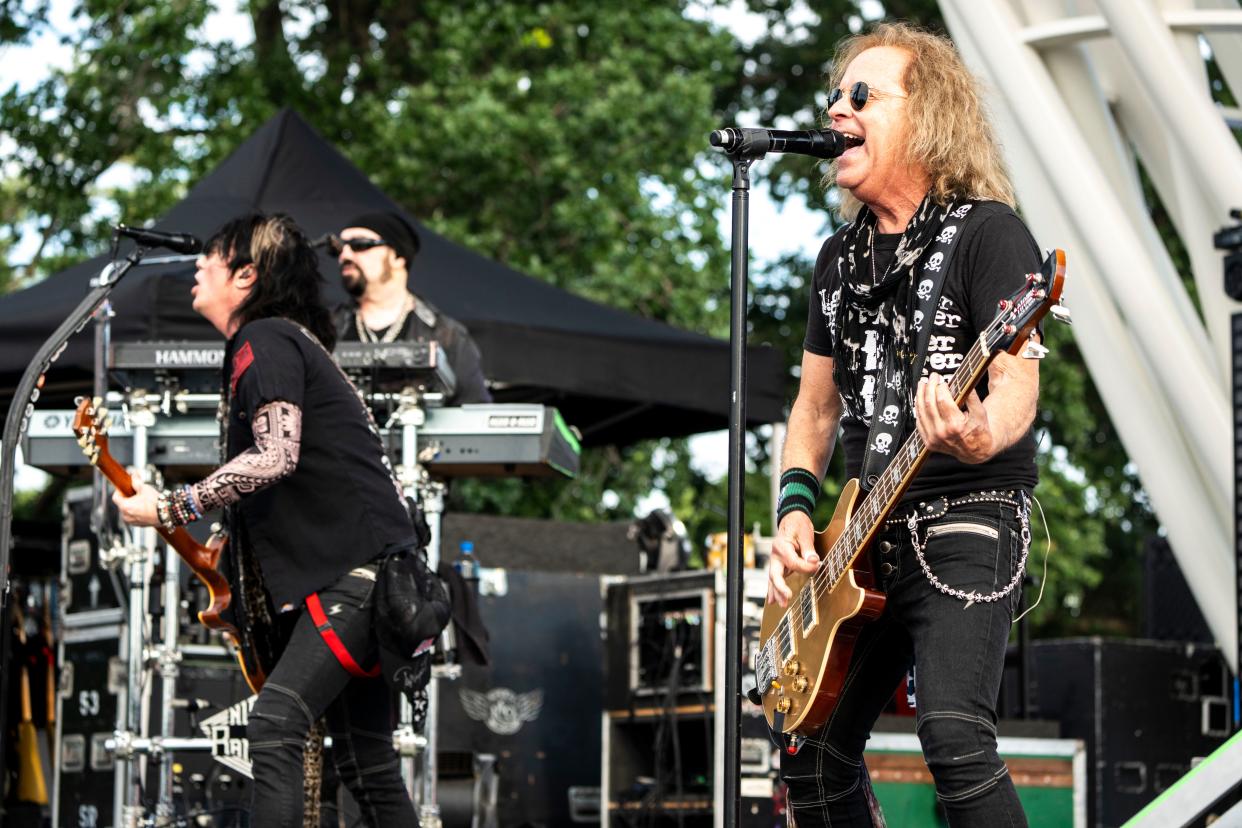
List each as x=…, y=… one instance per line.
x=890, y=414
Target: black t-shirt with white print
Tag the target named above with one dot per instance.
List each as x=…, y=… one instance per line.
x=995, y=254
x=339, y=508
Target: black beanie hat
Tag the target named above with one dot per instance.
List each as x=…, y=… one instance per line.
x=392, y=228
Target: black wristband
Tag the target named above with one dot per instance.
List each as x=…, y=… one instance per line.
x=799, y=491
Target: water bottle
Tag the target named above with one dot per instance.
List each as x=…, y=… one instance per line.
x=467, y=565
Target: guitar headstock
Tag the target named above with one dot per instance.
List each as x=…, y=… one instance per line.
x=90, y=425
x=1021, y=312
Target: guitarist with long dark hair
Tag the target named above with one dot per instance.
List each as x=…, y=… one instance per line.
x=899, y=297
x=310, y=496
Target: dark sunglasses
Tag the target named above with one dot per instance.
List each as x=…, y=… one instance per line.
x=357, y=244
x=860, y=93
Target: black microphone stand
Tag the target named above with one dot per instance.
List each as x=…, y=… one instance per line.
x=741, y=156
x=20, y=409
x=743, y=147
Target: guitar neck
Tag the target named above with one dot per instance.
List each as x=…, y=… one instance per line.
x=189, y=549
x=886, y=493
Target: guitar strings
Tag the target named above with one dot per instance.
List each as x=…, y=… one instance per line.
x=838, y=557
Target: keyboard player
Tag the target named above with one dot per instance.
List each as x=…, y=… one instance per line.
x=374, y=252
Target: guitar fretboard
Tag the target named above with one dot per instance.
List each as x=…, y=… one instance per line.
x=867, y=517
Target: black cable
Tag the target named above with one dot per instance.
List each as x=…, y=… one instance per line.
x=679, y=651
x=655, y=797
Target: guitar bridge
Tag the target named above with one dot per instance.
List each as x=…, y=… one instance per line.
x=765, y=669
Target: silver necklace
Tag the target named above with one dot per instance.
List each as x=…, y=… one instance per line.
x=874, y=279
x=391, y=333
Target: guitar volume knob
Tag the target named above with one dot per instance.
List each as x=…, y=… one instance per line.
x=800, y=684
x=792, y=667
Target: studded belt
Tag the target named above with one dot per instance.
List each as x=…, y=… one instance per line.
x=939, y=507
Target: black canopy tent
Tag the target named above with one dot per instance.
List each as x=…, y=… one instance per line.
x=617, y=376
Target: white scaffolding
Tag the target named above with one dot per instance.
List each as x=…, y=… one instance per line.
x=1082, y=91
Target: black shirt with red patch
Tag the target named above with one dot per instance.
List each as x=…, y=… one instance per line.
x=995, y=254
x=340, y=507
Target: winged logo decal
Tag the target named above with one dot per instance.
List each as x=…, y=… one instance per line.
x=502, y=710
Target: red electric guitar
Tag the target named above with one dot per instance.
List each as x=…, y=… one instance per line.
x=90, y=424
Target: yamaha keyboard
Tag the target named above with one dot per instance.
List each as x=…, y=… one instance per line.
x=484, y=440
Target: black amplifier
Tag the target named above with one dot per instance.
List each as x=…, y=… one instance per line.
x=1145, y=709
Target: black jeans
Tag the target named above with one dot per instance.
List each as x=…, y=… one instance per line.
x=971, y=544
x=308, y=683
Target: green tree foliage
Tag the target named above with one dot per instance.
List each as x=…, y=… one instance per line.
x=560, y=138
x=564, y=138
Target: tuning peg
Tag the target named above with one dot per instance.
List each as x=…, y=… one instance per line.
x=107, y=422
x=96, y=402
x=1034, y=350
x=84, y=440
x=1061, y=313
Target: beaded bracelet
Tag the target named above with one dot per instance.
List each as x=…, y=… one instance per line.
x=799, y=491
x=163, y=511
x=181, y=506
x=187, y=492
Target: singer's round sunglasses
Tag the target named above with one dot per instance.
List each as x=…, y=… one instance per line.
x=356, y=243
x=860, y=93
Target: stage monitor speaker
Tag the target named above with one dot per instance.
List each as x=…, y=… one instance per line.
x=1146, y=710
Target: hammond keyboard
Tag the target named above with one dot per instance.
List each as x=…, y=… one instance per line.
x=484, y=440
x=195, y=366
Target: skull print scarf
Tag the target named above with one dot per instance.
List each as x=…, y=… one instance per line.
x=882, y=322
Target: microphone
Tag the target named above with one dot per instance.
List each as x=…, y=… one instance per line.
x=180, y=242
x=819, y=143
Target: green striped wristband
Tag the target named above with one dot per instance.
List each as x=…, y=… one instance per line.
x=799, y=491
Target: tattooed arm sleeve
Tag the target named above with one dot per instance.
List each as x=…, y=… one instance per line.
x=277, y=430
